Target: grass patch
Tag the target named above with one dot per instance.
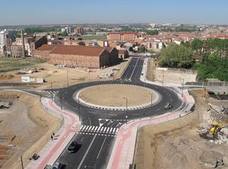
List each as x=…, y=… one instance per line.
x=10, y=64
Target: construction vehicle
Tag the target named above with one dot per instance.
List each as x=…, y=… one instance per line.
x=212, y=131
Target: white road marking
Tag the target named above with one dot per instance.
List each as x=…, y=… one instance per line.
x=101, y=148
x=79, y=166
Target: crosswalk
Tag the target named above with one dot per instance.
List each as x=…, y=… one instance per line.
x=99, y=130
x=52, y=93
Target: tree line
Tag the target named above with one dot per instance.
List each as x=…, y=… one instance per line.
x=208, y=57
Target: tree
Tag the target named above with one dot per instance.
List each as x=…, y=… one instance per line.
x=213, y=67
x=176, y=56
x=197, y=44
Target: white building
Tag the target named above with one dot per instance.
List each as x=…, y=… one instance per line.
x=67, y=29
x=3, y=41
x=155, y=45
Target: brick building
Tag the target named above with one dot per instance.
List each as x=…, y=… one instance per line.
x=78, y=56
x=122, y=36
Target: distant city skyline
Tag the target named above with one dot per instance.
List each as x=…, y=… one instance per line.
x=28, y=12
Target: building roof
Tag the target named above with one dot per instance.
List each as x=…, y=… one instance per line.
x=77, y=50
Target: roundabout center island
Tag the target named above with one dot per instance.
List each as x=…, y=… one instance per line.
x=111, y=96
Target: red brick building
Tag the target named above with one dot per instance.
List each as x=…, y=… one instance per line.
x=122, y=36
x=78, y=56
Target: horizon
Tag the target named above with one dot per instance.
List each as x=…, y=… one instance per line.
x=50, y=12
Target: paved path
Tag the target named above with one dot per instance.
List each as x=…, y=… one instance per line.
x=54, y=148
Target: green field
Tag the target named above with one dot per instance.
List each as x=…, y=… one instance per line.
x=10, y=64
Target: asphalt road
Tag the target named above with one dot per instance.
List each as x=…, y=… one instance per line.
x=99, y=127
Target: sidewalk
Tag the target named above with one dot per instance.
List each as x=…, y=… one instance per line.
x=52, y=150
x=124, y=146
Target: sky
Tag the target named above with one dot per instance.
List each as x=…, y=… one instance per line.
x=26, y=12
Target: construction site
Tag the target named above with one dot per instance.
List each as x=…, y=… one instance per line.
x=25, y=128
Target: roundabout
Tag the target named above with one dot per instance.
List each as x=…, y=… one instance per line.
x=117, y=97
x=93, y=102
x=104, y=106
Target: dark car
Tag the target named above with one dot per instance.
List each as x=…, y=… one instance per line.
x=74, y=147
x=168, y=106
x=58, y=165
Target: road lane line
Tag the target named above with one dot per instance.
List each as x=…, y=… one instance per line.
x=101, y=148
x=83, y=159
x=134, y=69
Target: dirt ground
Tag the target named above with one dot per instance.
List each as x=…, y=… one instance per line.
x=115, y=95
x=25, y=128
x=177, y=144
x=169, y=76
x=58, y=77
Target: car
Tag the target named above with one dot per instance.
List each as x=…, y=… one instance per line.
x=168, y=106
x=58, y=165
x=74, y=147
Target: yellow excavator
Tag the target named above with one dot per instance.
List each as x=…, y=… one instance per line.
x=212, y=131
